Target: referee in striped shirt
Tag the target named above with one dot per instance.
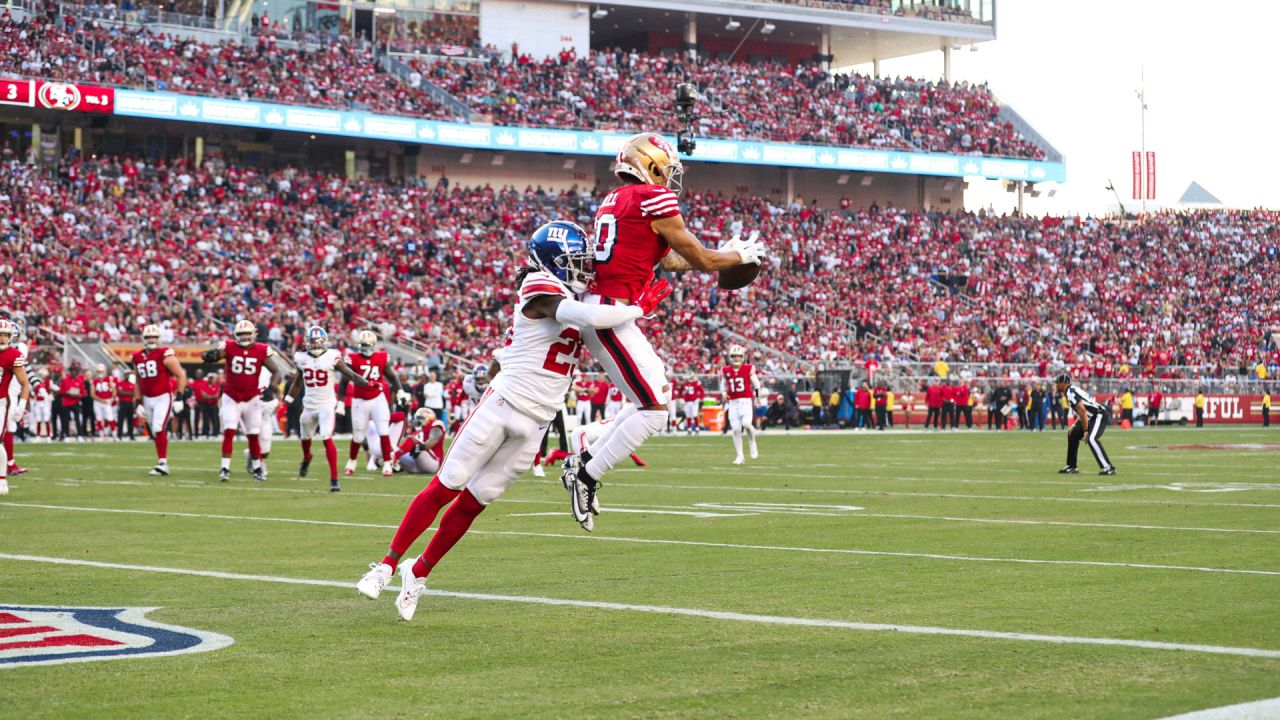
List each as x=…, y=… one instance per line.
x=1092, y=419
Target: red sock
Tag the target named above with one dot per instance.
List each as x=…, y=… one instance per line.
x=331, y=454
x=556, y=456
x=455, y=523
x=537, y=459
x=386, y=448
x=421, y=513
x=255, y=449
x=306, y=449
x=8, y=448
x=162, y=445
x=228, y=442
x=355, y=449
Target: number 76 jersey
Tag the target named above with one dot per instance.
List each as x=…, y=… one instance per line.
x=319, y=375
x=538, y=364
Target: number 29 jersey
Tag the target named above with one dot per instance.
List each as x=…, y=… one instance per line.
x=538, y=364
x=626, y=248
x=318, y=378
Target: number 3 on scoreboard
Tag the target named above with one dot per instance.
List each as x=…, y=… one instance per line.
x=563, y=356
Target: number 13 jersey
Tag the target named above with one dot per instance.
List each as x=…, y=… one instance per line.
x=318, y=378
x=538, y=363
x=626, y=248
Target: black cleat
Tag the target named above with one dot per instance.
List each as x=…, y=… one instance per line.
x=224, y=474
x=333, y=486
x=1108, y=471
x=304, y=467
x=1069, y=470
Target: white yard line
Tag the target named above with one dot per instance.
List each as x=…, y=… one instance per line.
x=1258, y=710
x=687, y=543
x=690, y=612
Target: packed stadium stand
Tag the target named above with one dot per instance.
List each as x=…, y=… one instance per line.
x=100, y=247
x=611, y=89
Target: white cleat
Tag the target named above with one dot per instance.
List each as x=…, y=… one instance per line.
x=374, y=581
x=387, y=469
x=538, y=471
x=737, y=460
x=159, y=471
x=410, y=589
x=4, y=486
x=754, y=452
x=350, y=469
x=371, y=466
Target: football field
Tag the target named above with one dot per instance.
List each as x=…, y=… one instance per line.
x=900, y=575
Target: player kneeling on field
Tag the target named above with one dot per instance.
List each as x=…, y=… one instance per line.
x=501, y=437
x=423, y=450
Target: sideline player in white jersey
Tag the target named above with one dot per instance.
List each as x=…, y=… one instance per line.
x=317, y=367
x=499, y=440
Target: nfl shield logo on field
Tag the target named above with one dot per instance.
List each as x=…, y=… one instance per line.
x=49, y=635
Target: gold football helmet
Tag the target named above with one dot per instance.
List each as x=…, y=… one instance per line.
x=649, y=158
x=245, y=332
x=151, y=337
x=737, y=354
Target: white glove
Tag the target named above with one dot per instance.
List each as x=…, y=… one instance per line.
x=403, y=397
x=288, y=399
x=19, y=410
x=142, y=413
x=751, y=250
x=341, y=409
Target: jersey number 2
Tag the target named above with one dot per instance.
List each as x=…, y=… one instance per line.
x=571, y=341
x=606, y=234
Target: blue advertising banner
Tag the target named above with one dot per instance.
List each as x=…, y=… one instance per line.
x=270, y=116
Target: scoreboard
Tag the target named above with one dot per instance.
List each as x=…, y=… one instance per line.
x=57, y=95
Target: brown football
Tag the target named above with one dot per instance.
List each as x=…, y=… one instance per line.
x=738, y=276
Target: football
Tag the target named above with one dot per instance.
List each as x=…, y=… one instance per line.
x=738, y=276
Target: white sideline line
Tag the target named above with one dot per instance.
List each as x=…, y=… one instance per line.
x=1257, y=710
x=693, y=612
x=691, y=543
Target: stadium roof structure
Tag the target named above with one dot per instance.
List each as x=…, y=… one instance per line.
x=1195, y=194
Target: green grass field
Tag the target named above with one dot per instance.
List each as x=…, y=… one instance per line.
x=825, y=580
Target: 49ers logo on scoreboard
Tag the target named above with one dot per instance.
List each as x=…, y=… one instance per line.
x=57, y=95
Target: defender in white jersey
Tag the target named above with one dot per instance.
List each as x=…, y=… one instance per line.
x=501, y=437
x=318, y=368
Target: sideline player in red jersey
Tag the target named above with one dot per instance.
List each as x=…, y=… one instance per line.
x=738, y=385
x=103, y=389
x=370, y=404
x=241, y=403
x=691, y=393
x=636, y=228
x=12, y=367
x=160, y=377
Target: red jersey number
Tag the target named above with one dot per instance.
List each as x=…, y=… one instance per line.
x=572, y=340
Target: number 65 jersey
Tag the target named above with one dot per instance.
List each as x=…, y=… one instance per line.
x=318, y=378
x=538, y=364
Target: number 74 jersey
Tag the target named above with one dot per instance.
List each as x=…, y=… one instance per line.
x=319, y=375
x=538, y=362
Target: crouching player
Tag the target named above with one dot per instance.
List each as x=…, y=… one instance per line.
x=318, y=367
x=423, y=450
x=500, y=438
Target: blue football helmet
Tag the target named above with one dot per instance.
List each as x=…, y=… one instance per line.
x=562, y=249
x=317, y=340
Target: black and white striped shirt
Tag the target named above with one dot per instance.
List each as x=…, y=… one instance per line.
x=1076, y=395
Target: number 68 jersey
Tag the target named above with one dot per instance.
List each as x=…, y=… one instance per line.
x=318, y=378
x=538, y=364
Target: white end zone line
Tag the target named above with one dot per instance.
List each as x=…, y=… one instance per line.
x=692, y=612
x=687, y=543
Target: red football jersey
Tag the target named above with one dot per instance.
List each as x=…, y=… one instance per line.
x=373, y=369
x=10, y=358
x=691, y=391
x=244, y=367
x=736, y=381
x=627, y=249
x=615, y=395
x=153, y=376
x=104, y=389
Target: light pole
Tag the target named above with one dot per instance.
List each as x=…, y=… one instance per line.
x=1142, y=100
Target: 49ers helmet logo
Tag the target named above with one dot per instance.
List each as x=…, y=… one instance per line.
x=59, y=96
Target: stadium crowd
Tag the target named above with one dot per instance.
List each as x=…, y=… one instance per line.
x=606, y=90
x=103, y=246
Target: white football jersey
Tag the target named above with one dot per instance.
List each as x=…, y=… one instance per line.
x=318, y=377
x=538, y=364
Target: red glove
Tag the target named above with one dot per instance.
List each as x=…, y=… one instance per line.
x=653, y=296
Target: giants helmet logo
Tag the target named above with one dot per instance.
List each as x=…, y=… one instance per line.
x=44, y=635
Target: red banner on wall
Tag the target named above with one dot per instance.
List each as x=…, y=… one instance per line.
x=57, y=96
x=1151, y=175
x=1137, y=175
